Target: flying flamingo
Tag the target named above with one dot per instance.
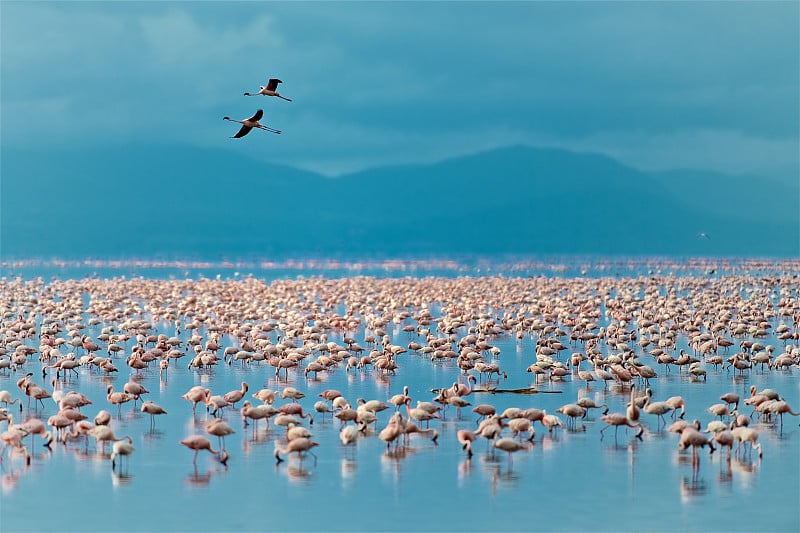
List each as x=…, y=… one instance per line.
x=250, y=123
x=270, y=90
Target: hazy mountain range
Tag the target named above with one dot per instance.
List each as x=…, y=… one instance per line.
x=144, y=201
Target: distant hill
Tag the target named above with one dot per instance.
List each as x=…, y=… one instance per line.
x=189, y=202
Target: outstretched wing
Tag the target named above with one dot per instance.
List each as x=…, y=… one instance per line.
x=272, y=84
x=257, y=116
x=242, y=132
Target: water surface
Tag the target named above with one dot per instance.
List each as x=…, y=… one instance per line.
x=570, y=480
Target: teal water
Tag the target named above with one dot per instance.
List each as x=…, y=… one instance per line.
x=570, y=480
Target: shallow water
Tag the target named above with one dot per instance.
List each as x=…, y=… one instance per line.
x=570, y=479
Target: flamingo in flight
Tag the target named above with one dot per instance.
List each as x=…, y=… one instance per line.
x=270, y=90
x=250, y=123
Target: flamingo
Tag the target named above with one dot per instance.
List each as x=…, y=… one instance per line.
x=291, y=393
x=134, y=390
x=103, y=418
x=399, y=400
x=256, y=413
x=5, y=397
x=411, y=428
x=694, y=438
x=293, y=408
x=675, y=402
x=656, y=408
x=199, y=442
x=13, y=437
x=329, y=394
x=483, y=410
x=466, y=438
x=266, y=396
x=747, y=435
x=269, y=90
x=617, y=420
x=633, y=409
x=520, y=425
x=588, y=403
x=117, y=398
x=104, y=434
x=235, y=395
x=250, y=123
x=152, y=409
x=299, y=446
x=731, y=398
x=322, y=408
x=779, y=407
x=122, y=448
x=348, y=435
x=464, y=390
x=572, y=411
x=392, y=430
x=420, y=414
x=293, y=431
x=220, y=429
x=510, y=446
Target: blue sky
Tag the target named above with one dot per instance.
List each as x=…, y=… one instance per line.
x=657, y=85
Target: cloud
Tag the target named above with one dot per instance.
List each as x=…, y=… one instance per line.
x=655, y=84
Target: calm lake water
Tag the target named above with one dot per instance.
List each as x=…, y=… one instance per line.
x=570, y=480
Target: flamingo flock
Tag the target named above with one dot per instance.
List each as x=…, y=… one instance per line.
x=270, y=89
x=391, y=323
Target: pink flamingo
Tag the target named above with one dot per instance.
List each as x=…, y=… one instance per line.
x=199, y=442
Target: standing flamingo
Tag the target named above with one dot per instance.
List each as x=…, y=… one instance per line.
x=152, y=409
x=199, y=442
x=510, y=446
x=466, y=438
x=617, y=420
x=298, y=446
x=122, y=448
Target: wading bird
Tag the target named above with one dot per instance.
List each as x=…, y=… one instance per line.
x=199, y=442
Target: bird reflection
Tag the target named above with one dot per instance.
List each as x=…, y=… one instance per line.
x=692, y=487
x=201, y=479
x=295, y=471
x=492, y=468
x=392, y=459
x=725, y=476
x=349, y=469
x=118, y=479
x=384, y=379
x=747, y=465
x=9, y=479
x=153, y=434
x=464, y=471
